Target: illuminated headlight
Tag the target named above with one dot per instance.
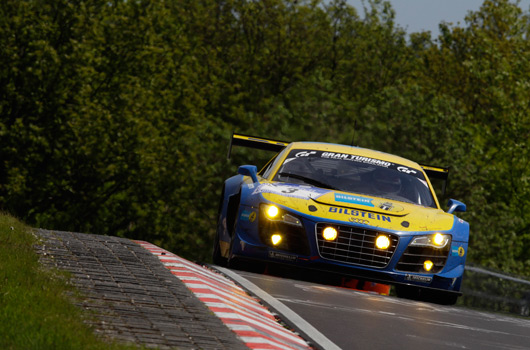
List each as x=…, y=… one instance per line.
x=427, y=265
x=273, y=213
x=439, y=240
x=330, y=233
x=382, y=242
x=281, y=229
x=276, y=239
x=436, y=240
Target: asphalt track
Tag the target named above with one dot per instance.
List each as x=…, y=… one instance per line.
x=353, y=319
x=138, y=300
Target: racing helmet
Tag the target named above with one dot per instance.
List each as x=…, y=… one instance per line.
x=386, y=181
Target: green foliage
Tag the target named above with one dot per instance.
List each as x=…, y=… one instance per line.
x=116, y=116
x=36, y=310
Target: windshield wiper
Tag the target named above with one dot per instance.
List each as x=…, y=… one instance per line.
x=309, y=180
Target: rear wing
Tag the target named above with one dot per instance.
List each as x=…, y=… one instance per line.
x=433, y=172
x=255, y=142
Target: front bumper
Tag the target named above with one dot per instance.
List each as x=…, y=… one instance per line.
x=248, y=244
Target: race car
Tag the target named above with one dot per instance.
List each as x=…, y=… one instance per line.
x=345, y=210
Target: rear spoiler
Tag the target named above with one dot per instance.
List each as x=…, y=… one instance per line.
x=255, y=142
x=433, y=172
x=436, y=172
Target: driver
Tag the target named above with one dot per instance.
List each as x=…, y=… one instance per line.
x=386, y=181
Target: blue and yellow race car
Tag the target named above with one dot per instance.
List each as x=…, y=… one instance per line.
x=351, y=211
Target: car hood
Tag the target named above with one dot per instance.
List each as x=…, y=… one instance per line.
x=356, y=208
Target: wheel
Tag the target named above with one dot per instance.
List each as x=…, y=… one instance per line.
x=217, y=258
x=231, y=225
x=232, y=262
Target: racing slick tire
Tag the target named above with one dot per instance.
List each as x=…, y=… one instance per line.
x=217, y=258
x=231, y=224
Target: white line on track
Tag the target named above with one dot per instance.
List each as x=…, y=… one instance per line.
x=286, y=312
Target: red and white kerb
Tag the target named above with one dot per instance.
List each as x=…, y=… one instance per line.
x=254, y=324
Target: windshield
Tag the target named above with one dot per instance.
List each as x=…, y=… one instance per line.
x=357, y=174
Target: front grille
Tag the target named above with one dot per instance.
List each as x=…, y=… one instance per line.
x=413, y=258
x=355, y=245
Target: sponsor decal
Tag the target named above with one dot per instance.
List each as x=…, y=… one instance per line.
x=360, y=213
x=353, y=158
x=458, y=251
x=386, y=206
x=461, y=251
x=251, y=186
x=418, y=278
x=282, y=256
x=358, y=221
x=252, y=216
x=406, y=170
x=347, y=198
x=305, y=154
x=294, y=191
x=245, y=215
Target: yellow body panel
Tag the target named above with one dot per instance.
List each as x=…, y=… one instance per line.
x=398, y=217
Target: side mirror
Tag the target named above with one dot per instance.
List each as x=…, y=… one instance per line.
x=455, y=205
x=249, y=170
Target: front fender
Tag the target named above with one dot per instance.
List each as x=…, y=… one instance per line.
x=227, y=216
x=460, y=230
x=232, y=186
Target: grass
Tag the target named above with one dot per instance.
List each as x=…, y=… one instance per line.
x=35, y=309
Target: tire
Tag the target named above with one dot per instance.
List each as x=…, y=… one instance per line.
x=231, y=223
x=232, y=262
x=217, y=258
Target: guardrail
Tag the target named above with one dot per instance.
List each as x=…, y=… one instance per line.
x=494, y=291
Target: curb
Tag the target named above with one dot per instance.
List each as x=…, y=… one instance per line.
x=254, y=324
x=131, y=297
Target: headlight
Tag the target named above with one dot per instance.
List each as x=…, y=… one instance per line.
x=330, y=233
x=439, y=240
x=382, y=242
x=276, y=239
x=427, y=265
x=282, y=230
x=436, y=240
x=273, y=213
